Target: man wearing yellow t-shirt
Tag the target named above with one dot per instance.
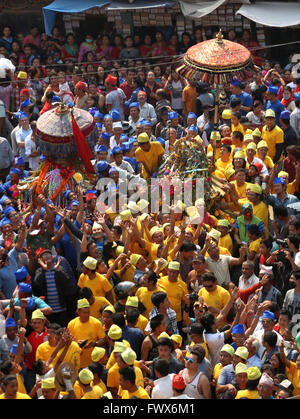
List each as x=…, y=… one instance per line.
x=273, y=135
x=96, y=303
x=175, y=288
x=149, y=154
x=145, y=293
x=262, y=154
x=88, y=332
x=98, y=284
x=260, y=209
x=224, y=162
x=128, y=385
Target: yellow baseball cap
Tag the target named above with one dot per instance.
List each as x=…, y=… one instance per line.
x=125, y=215
x=164, y=335
x=253, y=373
x=142, y=204
x=90, y=263
x=48, y=382
x=119, y=250
x=215, y=234
x=22, y=75
x=240, y=368
x=282, y=173
x=110, y=308
x=97, y=354
x=242, y=352
x=239, y=155
x=229, y=172
x=119, y=347
x=177, y=339
x=143, y=138
x=270, y=113
x=128, y=356
x=154, y=230
x=215, y=135
x=223, y=223
x=226, y=114
x=248, y=137
x=174, y=266
x=134, y=258
x=254, y=187
x=251, y=146
x=132, y=301
x=85, y=376
x=261, y=144
x=115, y=332
x=256, y=133
x=227, y=348
x=83, y=303
x=164, y=265
x=37, y=314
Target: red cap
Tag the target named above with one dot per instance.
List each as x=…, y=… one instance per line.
x=81, y=85
x=40, y=251
x=111, y=80
x=90, y=196
x=21, y=60
x=178, y=382
x=25, y=92
x=258, y=166
x=226, y=140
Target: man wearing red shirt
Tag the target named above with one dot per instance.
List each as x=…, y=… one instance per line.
x=37, y=336
x=128, y=86
x=151, y=86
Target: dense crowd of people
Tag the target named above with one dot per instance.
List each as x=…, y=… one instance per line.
x=129, y=304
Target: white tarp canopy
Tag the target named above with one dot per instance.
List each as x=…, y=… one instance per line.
x=280, y=15
x=198, y=9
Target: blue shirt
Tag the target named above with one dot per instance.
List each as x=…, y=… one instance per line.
x=226, y=376
x=246, y=101
x=135, y=337
x=8, y=281
x=52, y=293
x=274, y=201
x=277, y=107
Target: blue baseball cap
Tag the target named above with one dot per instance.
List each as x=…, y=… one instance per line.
x=22, y=115
x=116, y=150
x=98, y=125
x=134, y=105
x=30, y=306
x=238, y=328
x=23, y=287
x=15, y=170
x=67, y=193
x=285, y=114
x=161, y=141
x=107, y=116
x=192, y=115
x=21, y=274
x=19, y=161
x=8, y=210
x=55, y=99
x=115, y=114
x=126, y=146
x=273, y=89
x=93, y=110
x=98, y=114
x=105, y=136
x=101, y=148
x=28, y=102
x=102, y=165
x=278, y=180
x=193, y=128
x=3, y=199
x=74, y=203
x=10, y=322
x=236, y=82
x=172, y=115
x=268, y=315
x=4, y=222
x=124, y=137
x=146, y=122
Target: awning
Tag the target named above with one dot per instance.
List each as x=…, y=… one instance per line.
x=274, y=14
x=67, y=6
x=139, y=4
x=199, y=8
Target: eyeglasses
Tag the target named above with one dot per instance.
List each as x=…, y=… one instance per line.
x=189, y=359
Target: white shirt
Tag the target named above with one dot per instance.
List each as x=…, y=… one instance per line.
x=264, y=171
x=220, y=268
x=243, y=284
x=163, y=388
x=259, y=336
x=182, y=396
x=147, y=111
x=30, y=146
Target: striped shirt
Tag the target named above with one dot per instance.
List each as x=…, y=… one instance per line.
x=52, y=293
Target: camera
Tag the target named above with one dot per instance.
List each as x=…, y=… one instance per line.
x=283, y=243
x=193, y=296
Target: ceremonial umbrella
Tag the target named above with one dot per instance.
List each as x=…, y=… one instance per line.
x=216, y=61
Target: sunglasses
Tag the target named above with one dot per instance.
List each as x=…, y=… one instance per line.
x=189, y=359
